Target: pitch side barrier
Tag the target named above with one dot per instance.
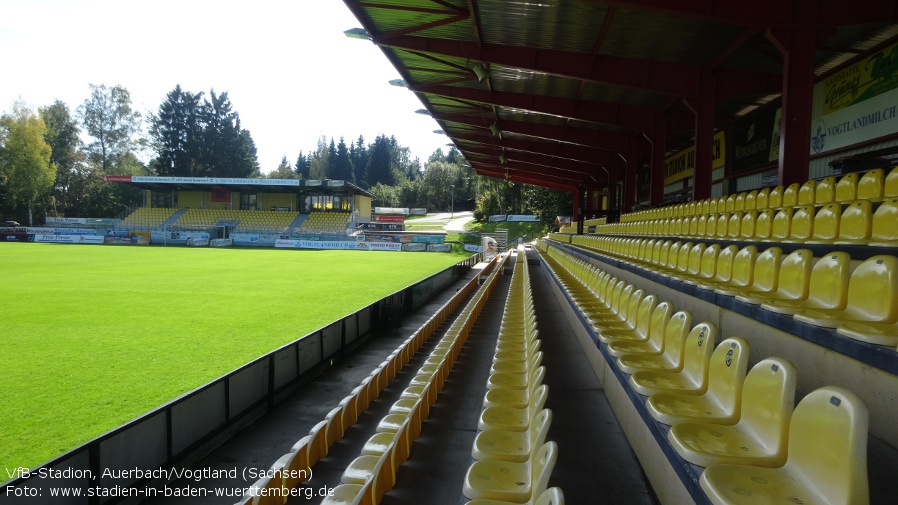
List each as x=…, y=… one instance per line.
x=135, y=459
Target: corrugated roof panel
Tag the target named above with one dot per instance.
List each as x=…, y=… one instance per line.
x=557, y=24
x=535, y=83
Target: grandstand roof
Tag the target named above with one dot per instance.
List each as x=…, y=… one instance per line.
x=549, y=92
x=238, y=184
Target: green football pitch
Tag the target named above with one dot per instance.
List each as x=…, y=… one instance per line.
x=93, y=336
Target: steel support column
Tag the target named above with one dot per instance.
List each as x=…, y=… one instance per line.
x=658, y=168
x=629, y=160
x=798, y=47
x=705, y=109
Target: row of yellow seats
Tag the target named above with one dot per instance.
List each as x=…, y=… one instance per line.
x=373, y=473
x=874, y=185
x=294, y=467
x=513, y=462
x=859, y=300
x=857, y=224
x=740, y=426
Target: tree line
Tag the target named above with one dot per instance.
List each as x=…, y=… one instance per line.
x=53, y=160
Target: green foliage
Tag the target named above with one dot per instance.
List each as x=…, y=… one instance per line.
x=107, y=116
x=528, y=230
x=158, y=322
x=283, y=171
x=197, y=137
x=26, y=172
x=66, y=153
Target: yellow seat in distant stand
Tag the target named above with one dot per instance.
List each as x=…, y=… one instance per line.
x=826, y=462
x=761, y=435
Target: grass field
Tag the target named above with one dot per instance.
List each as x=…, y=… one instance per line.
x=93, y=336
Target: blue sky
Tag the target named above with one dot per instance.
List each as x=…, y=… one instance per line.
x=290, y=72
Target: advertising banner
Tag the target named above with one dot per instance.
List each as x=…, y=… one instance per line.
x=856, y=104
x=682, y=164
x=472, y=248
x=384, y=246
x=221, y=195
x=527, y=218
x=66, y=220
x=222, y=242
x=203, y=180
x=429, y=239
x=335, y=183
x=116, y=178
x=311, y=182
x=489, y=247
x=391, y=210
x=414, y=247
x=389, y=219
x=439, y=247
x=498, y=218
x=417, y=212
x=69, y=239
x=756, y=139
x=198, y=242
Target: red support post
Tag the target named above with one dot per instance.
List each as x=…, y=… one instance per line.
x=658, y=168
x=705, y=109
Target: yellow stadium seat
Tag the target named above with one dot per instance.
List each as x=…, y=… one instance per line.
x=826, y=191
x=765, y=275
x=504, y=480
x=650, y=315
x=317, y=443
x=513, y=446
x=793, y=281
x=760, y=437
x=856, y=223
x=702, y=226
x=870, y=186
x=790, y=195
x=693, y=377
x=730, y=203
x=872, y=296
x=747, y=227
x=734, y=225
x=827, y=287
x=751, y=200
x=509, y=418
x=739, y=202
x=743, y=272
x=890, y=186
x=723, y=221
x=802, y=227
x=672, y=359
x=846, y=188
x=711, y=225
x=884, y=228
x=826, y=224
x=762, y=201
x=781, y=225
x=651, y=339
x=707, y=265
x=693, y=263
x=826, y=458
x=724, y=270
x=763, y=224
x=806, y=193
x=721, y=403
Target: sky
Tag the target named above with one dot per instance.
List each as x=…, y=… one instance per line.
x=290, y=72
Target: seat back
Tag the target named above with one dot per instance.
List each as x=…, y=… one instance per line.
x=730, y=205
x=711, y=225
x=739, y=202
x=539, y=427
x=870, y=186
x=826, y=222
x=723, y=221
x=751, y=200
x=775, y=198
x=675, y=336
x=856, y=223
x=802, y=224
x=551, y=496
x=697, y=349
x=683, y=257
x=702, y=226
x=693, y=226
x=873, y=289
x=846, y=189
x=317, y=443
x=885, y=221
x=734, y=225
x=766, y=270
x=747, y=228
x=828, y=445
x=828, y=287
x=768, y=398
x=826, y=191
x=762, y=201
x=725, y=263
x=790, y=195
x=542, y=464
x=708, y=262
x=630, y=311
x=763, y=224
x=694, y=263
x=795, y=275
x=806, y=193
x=890, y=186
x=743, y=266
x=657, y=322
x=663, y=251
x=726, y=374
x=782, y=224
